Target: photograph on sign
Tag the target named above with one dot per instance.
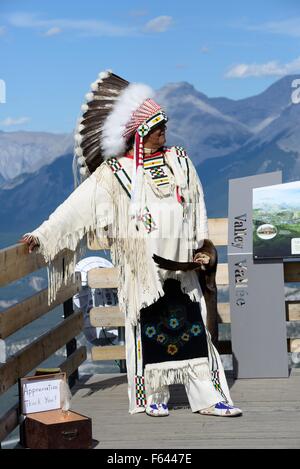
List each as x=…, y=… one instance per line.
x=276, y=221
x=39, y=394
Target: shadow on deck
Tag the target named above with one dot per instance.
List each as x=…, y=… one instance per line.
x=271, y=416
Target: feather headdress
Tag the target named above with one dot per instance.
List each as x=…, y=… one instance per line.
x=114, y=111
x=88, y=153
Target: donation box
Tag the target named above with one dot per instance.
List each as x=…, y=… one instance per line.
x=48, y=422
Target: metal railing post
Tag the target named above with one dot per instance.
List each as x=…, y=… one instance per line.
x=121, y=337
x=72, y=345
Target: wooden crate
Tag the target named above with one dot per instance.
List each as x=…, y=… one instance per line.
x=46, y=425
x=54, y=429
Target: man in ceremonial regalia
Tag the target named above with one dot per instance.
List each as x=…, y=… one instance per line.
x=147, y=200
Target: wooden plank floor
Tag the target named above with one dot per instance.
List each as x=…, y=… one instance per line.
x=271, y=416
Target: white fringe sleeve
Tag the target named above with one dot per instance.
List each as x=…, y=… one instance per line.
x=86, y=210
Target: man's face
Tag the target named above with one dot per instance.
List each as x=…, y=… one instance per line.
x=157, y=137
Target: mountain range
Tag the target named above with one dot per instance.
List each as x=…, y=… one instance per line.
x=27, y=152
x=225, y=138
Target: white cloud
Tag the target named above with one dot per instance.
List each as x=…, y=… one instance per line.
x=159, y=24
x=53, y=31
x=272, y=68
x=289, y=27
x=89, y=27
x=83, y=27
x=2, y=30
x=10, y=121
x=204, y=49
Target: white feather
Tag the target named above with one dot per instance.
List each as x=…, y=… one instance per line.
x=84, y=108
x=83, y=171
x=104, y=74
x=81, y=160
x=78, y=138
x=94, y=85
x=130, y=99
x=78, y=151
x=89, y=97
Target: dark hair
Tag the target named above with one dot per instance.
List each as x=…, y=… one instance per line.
x=129, y=144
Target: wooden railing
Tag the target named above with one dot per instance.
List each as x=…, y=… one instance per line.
x=15, y=264
x=111, y=316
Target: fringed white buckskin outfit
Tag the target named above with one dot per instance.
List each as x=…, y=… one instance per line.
x=145, y=204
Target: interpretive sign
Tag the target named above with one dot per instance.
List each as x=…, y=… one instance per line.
x=276, y=221
x=256, y=291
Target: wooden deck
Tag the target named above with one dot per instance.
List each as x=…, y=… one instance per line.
x=271, y=416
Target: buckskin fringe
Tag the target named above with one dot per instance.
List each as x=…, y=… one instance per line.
x=162, y=374
x=61, y=265
x=139, y=283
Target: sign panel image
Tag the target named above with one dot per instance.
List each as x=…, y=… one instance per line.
x=276, y=221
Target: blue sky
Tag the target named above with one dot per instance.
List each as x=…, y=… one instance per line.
x=289, y=193
x=50, y=51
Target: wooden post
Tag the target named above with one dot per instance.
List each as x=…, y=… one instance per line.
x=72, y=345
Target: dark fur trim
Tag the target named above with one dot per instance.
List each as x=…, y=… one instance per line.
x=207, y=280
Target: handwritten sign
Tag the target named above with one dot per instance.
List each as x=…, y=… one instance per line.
x=41, y=395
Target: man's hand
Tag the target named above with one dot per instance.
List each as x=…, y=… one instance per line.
x=201, y=258
x=31, y=241
x=167, y=264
